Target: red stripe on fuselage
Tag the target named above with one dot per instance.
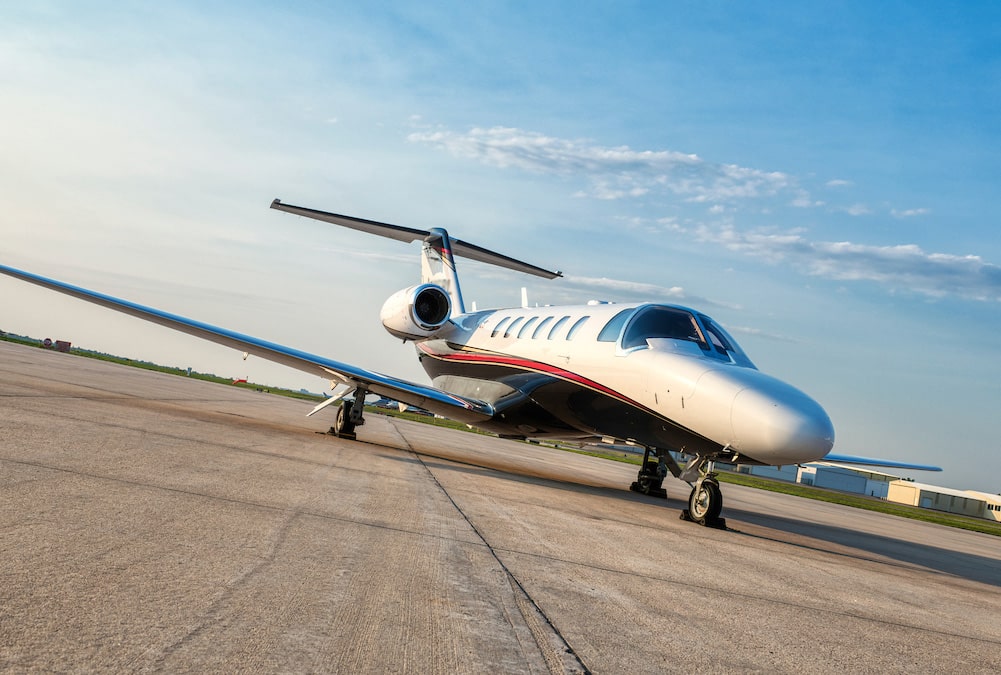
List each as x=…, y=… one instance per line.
x=494, y=359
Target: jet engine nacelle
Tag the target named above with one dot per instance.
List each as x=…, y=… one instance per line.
x=416, y=313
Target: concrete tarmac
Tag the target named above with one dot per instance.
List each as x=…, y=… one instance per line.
x=151, y=522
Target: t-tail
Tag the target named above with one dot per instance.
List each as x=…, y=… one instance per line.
x=419, y=312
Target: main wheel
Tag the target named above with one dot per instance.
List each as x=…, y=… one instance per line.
x=705, y=502
x=342, y=423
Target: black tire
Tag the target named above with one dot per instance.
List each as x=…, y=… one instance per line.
x=705, y=502
x=342, y=423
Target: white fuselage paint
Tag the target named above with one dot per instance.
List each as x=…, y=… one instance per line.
x=720, y=396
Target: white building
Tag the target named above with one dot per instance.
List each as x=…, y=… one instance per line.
x=937, y=498
x=992, y=510
x=846, y=478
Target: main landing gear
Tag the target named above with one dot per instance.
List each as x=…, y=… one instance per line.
x=349, y=415
x=706, y=500
x=650, y=479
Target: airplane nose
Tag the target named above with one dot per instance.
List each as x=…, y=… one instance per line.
x=780, y=426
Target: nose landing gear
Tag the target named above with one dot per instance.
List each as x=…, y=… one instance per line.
x=705, y=503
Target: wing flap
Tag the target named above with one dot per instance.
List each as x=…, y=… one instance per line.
x=459, y=408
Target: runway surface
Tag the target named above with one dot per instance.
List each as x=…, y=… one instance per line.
x=151, y=522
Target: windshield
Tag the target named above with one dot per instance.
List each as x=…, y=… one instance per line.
x=723, y=345
x=662, y=322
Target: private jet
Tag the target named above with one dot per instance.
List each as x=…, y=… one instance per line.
x=662, y=377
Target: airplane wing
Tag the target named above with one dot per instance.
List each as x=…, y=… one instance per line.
x=455, y=407
x=870, y=461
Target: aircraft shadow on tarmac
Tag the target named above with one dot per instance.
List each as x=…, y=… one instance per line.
x=848, y=543
x=982, y=569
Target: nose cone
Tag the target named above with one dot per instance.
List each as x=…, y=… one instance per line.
x=780, y=425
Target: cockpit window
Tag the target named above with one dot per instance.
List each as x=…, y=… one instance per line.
x=717, y=336
x=662, y=322
x=723, y=344
x=610, y=333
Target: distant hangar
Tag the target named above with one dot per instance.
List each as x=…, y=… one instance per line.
x=885, y=486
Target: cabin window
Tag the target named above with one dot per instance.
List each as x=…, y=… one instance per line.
x=576, y=327
x=500, y=326
x=538, y=331
x=557, y=326
x=528, y=324
x=513, y=325
x=662, y=322
x=610, y=333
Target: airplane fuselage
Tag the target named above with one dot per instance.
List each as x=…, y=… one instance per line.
x=657, y=375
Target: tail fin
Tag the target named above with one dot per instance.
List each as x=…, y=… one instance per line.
x=438, y=266
x=437, y=263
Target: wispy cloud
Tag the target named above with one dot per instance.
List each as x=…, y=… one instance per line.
x=622, y=173
x=615, y=172
x=904, y=266
x=909, y=213
x=757, y=332
x=855, y=210
x=639, y=291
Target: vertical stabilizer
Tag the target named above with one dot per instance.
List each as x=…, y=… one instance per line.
x=438, y=267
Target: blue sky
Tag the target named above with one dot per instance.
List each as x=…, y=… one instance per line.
x=822, y=179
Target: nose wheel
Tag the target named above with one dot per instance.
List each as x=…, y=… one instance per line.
x=705, y=504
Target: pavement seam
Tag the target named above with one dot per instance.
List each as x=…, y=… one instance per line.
x=559, y=656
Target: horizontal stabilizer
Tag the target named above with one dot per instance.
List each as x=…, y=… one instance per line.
x=409, y=234
x=869, y=461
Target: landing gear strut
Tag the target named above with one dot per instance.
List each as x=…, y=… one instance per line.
x=651, y=477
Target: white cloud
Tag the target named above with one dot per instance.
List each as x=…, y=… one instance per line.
x=639, y=291
x=615, y=173
x=903, y=267
x=909, y=213
x=757, y=332
x=856, y=210
x=621, y=173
